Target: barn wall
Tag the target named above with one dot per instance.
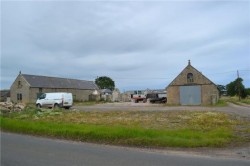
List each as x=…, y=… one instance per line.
x=209, y=91
x=19, y=86
x=173, y=95
x=210, y=94
x=78, y=94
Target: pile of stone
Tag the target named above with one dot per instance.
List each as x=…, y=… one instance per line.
x=9, y=106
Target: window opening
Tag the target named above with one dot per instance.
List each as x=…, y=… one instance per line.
x=19, y=84
x=19, y=97
x=190, y=78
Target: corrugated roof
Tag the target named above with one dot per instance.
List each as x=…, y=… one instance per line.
x=55, y=82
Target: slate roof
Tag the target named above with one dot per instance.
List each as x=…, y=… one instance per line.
x=55, y=82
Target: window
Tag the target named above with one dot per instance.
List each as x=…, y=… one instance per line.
x=38, y=95
x=40, y=90
x=19, y=97
x=19, y=85
x=190, y=78
x=42, y=96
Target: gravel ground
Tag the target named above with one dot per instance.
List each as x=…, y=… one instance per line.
x=242, y=152
x=243, y=111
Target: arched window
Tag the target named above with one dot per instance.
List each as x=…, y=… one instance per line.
x=190, y=78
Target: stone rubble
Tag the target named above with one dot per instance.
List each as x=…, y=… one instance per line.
x=9, y=106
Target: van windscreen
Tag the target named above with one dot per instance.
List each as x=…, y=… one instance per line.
x=42, y=96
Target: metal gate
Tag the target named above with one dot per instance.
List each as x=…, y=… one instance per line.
x=190, y=95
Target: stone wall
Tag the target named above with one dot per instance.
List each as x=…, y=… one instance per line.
x=78, y=94
x=20, y=86
x=116, y=95
x=173, y=95
x=209, y=93
x=198, y=78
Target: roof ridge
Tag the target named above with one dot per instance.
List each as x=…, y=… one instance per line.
x=56, y=77
x=58, y=82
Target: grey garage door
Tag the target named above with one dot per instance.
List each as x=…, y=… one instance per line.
x=190, y=95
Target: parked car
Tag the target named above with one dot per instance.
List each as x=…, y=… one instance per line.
x=55, y=100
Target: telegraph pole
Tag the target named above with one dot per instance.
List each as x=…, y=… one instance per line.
x=238, y=84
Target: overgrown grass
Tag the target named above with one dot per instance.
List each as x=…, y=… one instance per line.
x=120, y=134
x=132, y=128
x=221, y=103
x=235, y=100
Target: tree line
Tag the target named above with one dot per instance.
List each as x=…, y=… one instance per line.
x=235, y=88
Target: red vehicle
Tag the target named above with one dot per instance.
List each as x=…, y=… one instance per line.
x=138, y=96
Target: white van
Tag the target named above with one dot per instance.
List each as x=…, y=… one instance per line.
x=55, y=100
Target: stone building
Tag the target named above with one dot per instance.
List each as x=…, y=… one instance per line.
x=191, y=87
x=106, y=94
x=4, y=95
x=27, y=88
x=116, y=95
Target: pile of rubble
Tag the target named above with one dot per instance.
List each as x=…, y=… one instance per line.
x=9, y=106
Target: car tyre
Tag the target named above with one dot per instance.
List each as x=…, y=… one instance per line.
x=38, y=106
x=56, y=106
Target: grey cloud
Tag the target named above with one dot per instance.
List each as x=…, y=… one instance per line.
x=135, y=42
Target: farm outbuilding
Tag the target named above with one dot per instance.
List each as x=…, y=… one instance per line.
x=5, y=95
x=191, y=87
x=27, y=88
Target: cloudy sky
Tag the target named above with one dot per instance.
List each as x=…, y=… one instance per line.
x=139, y=44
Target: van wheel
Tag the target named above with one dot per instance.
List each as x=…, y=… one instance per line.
x=38, y=106
x=56, y=106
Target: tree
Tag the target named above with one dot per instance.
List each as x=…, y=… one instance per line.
x=248, y=91
x=236, y=88
x=105, y=82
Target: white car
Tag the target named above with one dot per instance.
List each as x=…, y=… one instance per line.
x=55, y=100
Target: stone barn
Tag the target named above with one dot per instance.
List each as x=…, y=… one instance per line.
x=27, y=88
x=191, y=87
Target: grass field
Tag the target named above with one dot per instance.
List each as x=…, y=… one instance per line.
x=132, y=128
x=236, y=100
